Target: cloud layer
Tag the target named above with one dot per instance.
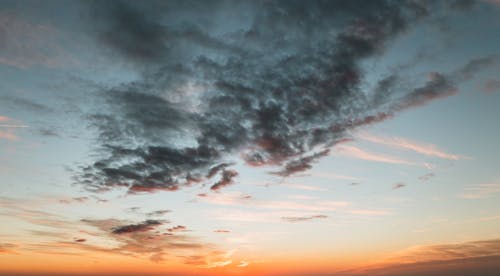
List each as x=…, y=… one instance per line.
x=278, y=86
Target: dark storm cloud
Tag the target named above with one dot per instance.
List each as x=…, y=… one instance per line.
x=140, y=227
x=279, y=85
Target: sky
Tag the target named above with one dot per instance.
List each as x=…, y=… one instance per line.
x=273, y=138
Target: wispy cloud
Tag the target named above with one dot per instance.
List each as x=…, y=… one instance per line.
x=427, y=253
x=27, y=44
x=491, y=86
x=9, y=127
x=80, y=199
x=406, y=144
x=158, y=213
x=300, y=219
x=329, y=175
x=398, y=185
x=427, y=176
x=465, y=258
x=481, y=191
x=238, y=199
x=139, y=227
x=355, y=152
x=304, y=187
x=7, y=248
x=8, y=135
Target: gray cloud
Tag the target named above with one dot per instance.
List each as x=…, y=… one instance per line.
x=139, y=227
x=279, y=86
x=226, y=179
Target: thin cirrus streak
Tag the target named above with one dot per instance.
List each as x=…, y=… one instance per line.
x=304, y=187
x=355, y=152
x=236, y=199
x=406, y=144
x=480, y=191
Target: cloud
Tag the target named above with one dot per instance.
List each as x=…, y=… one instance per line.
x=178, y=228
x=147, y=238
x=158, y=213
x=473, y=66
x=140, y=227
x=398, y=185
x=427, y=176
x=481, y=191
x=406, y=144
x=301, y=164
x=8, y=135
x=300, y=219
x=222, y=231
x=212, y=260
x=355, y=152
x=243, y=264
x=438, y=86
x=491, y=86
x=27, y=44
x=7, y=248
x=25, y=104
x=10, y=125
x=47, y=132
x=226, y=179
x=452, y=251
x=81, y=199
x=208, y=94
x=303, y=187
x=465, y=258
x=28, y=210
x=238, y=199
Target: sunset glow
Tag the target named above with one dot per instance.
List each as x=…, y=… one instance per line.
x=255, y=138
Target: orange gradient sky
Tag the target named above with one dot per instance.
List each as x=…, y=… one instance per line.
x=259, y=138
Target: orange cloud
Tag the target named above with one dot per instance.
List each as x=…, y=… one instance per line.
x=441, y=252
